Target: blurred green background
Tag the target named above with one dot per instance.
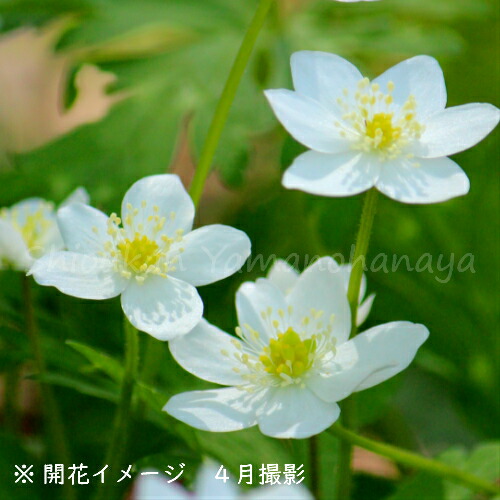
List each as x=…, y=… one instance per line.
x=172, y=56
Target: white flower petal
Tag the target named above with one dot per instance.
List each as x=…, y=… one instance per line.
x=200, y=353
x=13, y=248
x=283, y=276
x=211, y=253
x=342, y=174
x=432, y=181
x=157, y=487
x=79, y=275
x=321, y=287
x=456, y=129
x=79, y=195
x=307, y=120
x=168, y=194
x=364, y=309
x=83, y=228
x=31, y=206
x=396, y=343
x=369, y=359
x=254, y=299
x=295, y=412
x=420, y=76
x=209, y=488
x=345, y=270
x=49, y=241
x=163, y=307
x=218, y=410
x=323, y=77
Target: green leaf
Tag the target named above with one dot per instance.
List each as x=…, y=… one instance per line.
x=138, y=43
x=483, y=462
x=102, y=390
x=99, y=360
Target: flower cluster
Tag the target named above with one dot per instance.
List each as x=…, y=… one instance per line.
x=292, y=348
x=294, y=354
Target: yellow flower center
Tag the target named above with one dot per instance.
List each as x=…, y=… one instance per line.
x=139, y=246
x=381, y=129
x=34, y=227
x=374, y=124
x=287, y=359
x=289, y=354
x=139, y=253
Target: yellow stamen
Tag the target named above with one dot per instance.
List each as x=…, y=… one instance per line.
x=139, y=253
x=381, y=128
x=288, y=355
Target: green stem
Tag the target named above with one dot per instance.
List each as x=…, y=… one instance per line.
x=50, y=407
x=415, y=461
x=151, y=361
x=314, y=466
x=359, y=259
x=153, y=356
x=344, y=472
x=119, y=437
x=226, y=100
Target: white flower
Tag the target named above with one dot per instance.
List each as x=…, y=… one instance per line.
x=394, y=133
x=33, y=79
x=29, y=230
x=156, y=487
x=149, y=256
x=293, y=360
x=284, y=276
